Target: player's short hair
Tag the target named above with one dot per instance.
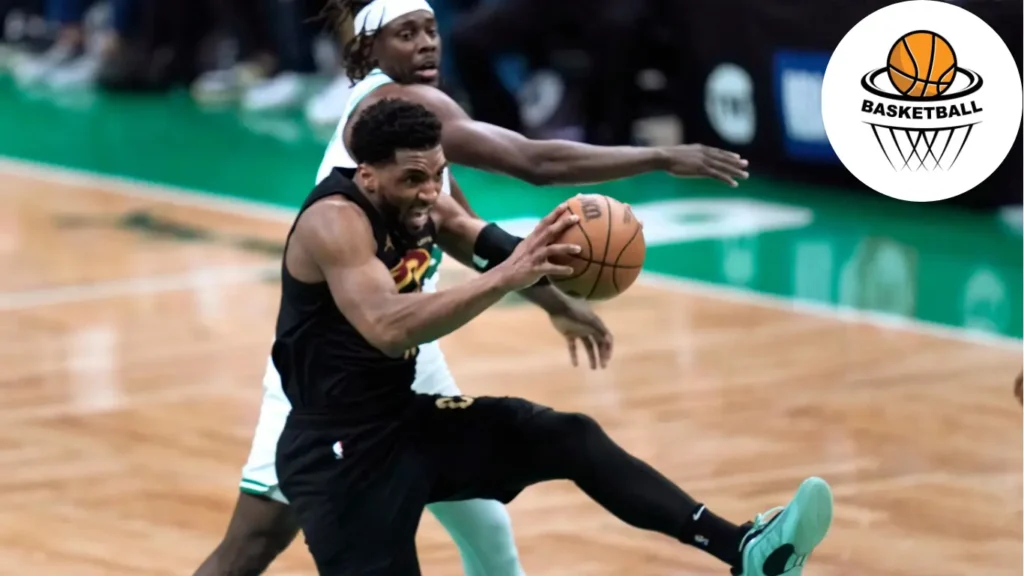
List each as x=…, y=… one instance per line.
x=390, y=125
x=356, y=48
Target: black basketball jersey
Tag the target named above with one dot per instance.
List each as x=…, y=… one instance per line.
x=326, y=365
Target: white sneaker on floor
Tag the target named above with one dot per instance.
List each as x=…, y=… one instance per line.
x=80, y=72
x=33, y=68
x=286, y=91
x=223, y=86
x=328, y=106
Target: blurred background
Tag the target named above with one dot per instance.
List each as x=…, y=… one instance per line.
x=135, y=328
x=197, y=93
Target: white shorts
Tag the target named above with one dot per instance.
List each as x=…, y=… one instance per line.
x=259, y=475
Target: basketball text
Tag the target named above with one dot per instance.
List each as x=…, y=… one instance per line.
x=919, y=112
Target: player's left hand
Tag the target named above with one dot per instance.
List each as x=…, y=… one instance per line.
x=578, y=322
x=706, y=162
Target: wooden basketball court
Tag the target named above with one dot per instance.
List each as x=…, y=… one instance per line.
x=135, y=330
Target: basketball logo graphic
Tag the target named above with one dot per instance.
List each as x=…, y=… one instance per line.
x=921, y=72
x=921, y=101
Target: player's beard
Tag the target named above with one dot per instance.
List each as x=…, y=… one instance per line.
x=412, y=219
x=416, y=219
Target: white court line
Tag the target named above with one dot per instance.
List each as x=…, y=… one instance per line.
x=198, y=278
x=146, y=190
x=832, y=311
x=265, y=211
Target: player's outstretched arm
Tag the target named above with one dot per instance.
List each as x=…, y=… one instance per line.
x=547, y=162
x=333, y=240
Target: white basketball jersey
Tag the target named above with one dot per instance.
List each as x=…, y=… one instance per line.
x=337, y=154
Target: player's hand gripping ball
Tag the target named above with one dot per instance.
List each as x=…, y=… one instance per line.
x=613, y=248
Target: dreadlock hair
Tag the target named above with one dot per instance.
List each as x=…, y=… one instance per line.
x=356, y=48
x=390, y=125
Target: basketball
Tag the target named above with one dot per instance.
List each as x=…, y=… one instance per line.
x=613, y=249
x=922, y=65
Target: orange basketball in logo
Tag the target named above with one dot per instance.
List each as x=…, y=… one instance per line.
x=922, y=64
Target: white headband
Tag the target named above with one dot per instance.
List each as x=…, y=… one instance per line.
x=380, y=13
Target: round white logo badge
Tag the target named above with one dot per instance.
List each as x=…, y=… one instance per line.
x=921, y=101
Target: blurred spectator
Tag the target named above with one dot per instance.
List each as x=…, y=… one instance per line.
x=605, y=30
x=292, y=32
x=76, y=54
x=25, y=30
x=159, y=46
x=326, y=108
x=252, y=61
x=274, y=67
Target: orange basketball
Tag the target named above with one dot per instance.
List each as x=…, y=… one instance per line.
x=613, y=246
x=922, y=64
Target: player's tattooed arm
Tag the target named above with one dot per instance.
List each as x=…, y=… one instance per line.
x=550, y=162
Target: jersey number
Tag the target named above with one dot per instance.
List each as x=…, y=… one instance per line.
x=453, y=402
x=410, y=353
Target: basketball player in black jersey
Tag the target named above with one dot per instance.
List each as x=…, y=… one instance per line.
x=408, y=49
x=362, y=454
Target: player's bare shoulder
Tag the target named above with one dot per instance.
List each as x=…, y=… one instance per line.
x=432, y=98
x=332, y=230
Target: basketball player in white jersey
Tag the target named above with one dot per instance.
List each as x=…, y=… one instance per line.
x=396, y=53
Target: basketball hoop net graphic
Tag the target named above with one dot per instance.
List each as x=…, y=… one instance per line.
x=919, y=106
x=927, y=148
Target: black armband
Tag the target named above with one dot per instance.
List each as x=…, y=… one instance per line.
x=494, y=246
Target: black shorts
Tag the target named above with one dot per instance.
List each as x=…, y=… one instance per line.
x=358, y=492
